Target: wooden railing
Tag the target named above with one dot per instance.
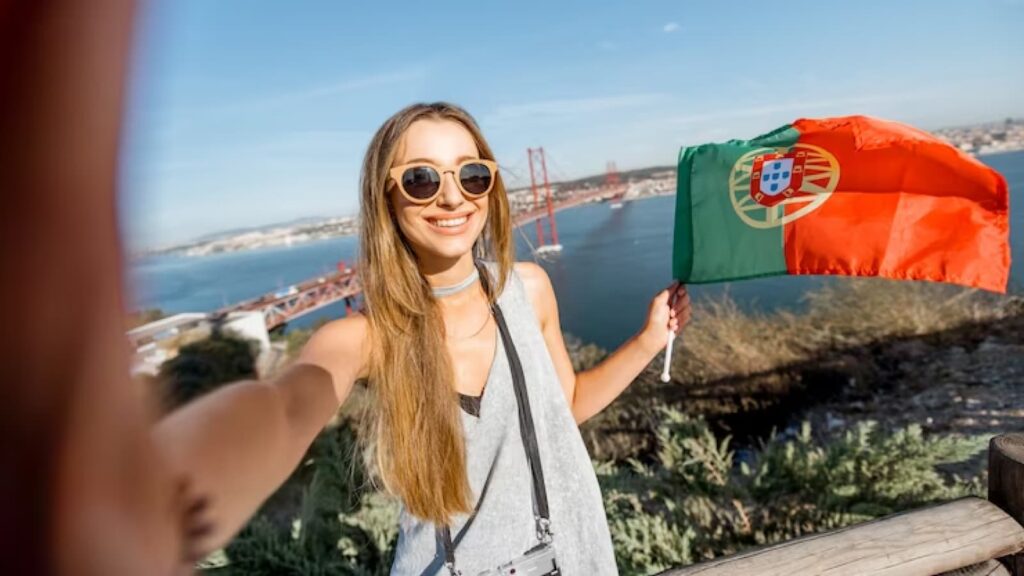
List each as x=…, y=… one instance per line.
x=966, y=537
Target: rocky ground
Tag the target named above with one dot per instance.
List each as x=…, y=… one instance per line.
x=969, y=380
x=965, y=380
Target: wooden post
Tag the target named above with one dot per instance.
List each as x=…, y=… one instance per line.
x=1006, y=485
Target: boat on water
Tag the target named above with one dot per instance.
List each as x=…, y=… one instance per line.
x=548, y=248
x=285, y=292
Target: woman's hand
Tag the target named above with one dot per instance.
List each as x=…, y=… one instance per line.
x=669, y=310
x=596, y=388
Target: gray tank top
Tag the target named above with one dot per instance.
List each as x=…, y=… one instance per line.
x=501, y=526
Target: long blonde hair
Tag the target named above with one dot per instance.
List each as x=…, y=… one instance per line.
x=416, y=431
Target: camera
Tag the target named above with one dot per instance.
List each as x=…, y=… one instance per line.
x=539, y=561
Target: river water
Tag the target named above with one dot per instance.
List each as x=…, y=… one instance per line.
x=612, y=263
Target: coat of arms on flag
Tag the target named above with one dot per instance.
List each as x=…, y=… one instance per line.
x=776, y=177
x=773, y=186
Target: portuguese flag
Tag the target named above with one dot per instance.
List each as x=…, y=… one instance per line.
x=854, y=196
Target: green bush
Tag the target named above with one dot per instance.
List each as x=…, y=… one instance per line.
x=205, y=365
x=696, y=501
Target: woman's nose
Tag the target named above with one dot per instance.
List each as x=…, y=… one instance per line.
x=450, y=196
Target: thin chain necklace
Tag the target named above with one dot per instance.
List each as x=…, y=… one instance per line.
x=442, y=291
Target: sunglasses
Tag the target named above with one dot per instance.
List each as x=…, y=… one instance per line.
x=420, y=182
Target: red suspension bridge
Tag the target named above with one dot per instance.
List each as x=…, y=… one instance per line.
x=342, y=285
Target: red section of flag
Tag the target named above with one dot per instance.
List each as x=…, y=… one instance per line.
x=907, y=205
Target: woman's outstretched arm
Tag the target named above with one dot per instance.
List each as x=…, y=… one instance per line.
x=591, y=391
x=233, y=447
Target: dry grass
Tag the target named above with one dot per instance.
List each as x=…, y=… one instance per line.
x=724, y=341
x=863, y=310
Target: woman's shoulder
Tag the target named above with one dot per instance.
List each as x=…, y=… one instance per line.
x=533, y=277
x=529, y=271
x=339, y=347
x=538, y=289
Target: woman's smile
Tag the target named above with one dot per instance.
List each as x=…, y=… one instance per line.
x=451, y=224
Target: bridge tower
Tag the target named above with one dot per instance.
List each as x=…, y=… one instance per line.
x=611, y=177
x=613, y=182
x=539, y=177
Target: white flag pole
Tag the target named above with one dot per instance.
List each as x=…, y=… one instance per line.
x=665, y=377
x=668, y=357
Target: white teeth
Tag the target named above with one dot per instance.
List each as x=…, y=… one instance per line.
x=451, y=222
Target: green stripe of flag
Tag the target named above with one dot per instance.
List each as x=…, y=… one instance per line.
x=711, y=243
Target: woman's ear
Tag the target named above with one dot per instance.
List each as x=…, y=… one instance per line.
x=389, y=202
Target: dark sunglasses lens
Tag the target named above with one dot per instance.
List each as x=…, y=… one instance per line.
x=421, y=182
x=476, y=178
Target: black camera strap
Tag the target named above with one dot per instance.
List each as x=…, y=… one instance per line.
x=526, y=429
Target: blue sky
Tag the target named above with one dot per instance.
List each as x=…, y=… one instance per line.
x=250, y=112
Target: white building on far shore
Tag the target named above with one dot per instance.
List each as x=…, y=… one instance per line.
x=158, y=341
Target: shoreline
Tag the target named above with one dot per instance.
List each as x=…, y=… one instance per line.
x=184, y=253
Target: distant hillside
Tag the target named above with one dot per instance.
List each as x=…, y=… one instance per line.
x=625, y=176
x=220, y=234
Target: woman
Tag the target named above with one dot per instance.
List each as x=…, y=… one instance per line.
x=447, y=433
